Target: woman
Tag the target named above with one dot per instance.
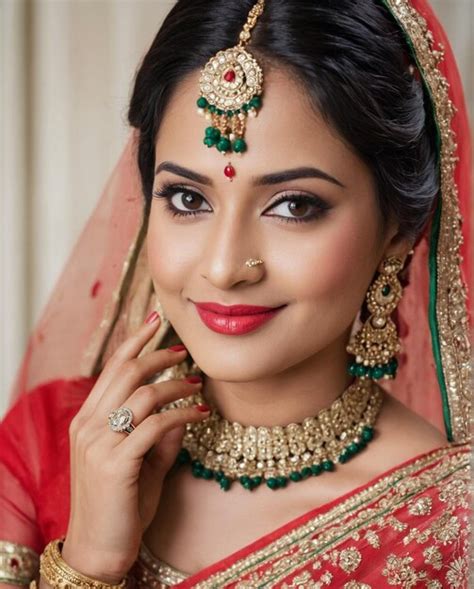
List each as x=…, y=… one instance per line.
x=259, y=263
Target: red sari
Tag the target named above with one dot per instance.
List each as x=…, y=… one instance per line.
x=406, y=528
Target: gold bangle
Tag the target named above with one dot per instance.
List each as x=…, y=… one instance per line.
x=61, y=576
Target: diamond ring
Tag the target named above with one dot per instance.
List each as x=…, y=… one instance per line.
x=120, y=420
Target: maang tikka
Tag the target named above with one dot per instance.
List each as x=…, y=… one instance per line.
x=376, y=343
x=231, y=88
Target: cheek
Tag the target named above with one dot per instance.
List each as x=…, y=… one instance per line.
x=331, y=268
x=172, y=252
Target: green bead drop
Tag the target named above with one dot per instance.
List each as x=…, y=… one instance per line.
x=282, y=481
x=367, y=433
x=184, y=457
x=239, y=145
x=360, y=370
x=306, y=472
x=224, y=483
x=295, y=476
x=256, y=102
x=223, y=144
x=386, y=290
x=202, y=102
x=209, y=141
x=327, y=465
x=316, y=469
x=272, y=483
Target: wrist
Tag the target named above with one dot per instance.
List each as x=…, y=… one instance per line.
x=93, y=564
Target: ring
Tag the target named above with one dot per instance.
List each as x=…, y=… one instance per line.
x=120, y=420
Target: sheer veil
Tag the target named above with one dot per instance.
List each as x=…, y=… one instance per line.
x=105, y=290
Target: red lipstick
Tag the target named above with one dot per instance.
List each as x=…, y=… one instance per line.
x=235, y=319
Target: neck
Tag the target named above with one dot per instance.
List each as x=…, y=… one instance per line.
x=287, y=397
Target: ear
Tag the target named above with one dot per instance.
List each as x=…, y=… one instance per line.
x=398, y=245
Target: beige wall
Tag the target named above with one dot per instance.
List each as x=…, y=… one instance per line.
x=66, y=72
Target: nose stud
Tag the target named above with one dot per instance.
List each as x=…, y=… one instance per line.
x=251, y=262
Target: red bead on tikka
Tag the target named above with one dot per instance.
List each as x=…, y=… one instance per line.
x=229, y=76
x=229, y=171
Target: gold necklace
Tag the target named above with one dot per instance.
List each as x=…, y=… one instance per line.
x=227, y=451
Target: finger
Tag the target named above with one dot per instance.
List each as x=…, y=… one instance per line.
x=148, y=398
x=150, y=431
x=134, y=373
x=128, y=350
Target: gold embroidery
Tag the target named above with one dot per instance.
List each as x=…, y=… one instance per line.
x=19, y=564
x=356, y=585
x=455, y=493
x=399, y=571
x=457, y=573
x=434, y=585
x=446, y=528
x=394, y=523
x=369, y=507
x=349, y=559
x=451, y=307
x=433, y=557
x=421, y=506
x=372, y=538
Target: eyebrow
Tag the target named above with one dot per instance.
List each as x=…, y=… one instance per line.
x=266, y=179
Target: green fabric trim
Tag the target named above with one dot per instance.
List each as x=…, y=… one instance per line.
x=433, y=248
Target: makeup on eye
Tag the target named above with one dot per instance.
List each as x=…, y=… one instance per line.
x=298, y=203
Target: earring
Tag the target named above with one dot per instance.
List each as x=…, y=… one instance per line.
x=376, y=343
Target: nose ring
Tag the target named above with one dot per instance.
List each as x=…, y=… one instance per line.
x=251, y=262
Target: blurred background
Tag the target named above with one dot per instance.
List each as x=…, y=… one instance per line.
x=66, y=73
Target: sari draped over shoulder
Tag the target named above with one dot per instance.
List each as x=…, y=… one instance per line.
x=408, y=527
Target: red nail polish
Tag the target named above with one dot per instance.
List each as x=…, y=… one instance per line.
x=177, y=348
x=153, y=316
x=203, y=408
x=194, y=379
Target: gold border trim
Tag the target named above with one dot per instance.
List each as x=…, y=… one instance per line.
x=451, y=305
x=452, y=458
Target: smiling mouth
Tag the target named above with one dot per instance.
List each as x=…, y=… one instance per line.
x=235, y=319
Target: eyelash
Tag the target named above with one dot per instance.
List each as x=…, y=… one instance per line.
x=168, y=190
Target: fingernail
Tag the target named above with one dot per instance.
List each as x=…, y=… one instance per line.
x=177, y=348
x=194, y=379
x=153, y=316
x=203, y=408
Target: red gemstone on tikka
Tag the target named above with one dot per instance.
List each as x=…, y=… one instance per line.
x=229, y=76
x=229, y=171
x=14, y=563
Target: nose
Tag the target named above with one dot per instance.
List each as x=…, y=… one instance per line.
x=229, y=246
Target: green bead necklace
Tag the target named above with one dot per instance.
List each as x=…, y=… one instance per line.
x=228, y=452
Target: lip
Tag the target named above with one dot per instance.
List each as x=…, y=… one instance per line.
x=235, y=319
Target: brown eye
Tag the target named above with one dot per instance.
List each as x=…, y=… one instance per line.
x=190, y=200
x=298, y=208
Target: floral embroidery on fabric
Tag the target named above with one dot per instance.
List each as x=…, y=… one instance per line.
x=424, y=531
x=421, y=506
x=399, y=571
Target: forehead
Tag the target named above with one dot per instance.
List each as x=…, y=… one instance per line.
x=286, y=133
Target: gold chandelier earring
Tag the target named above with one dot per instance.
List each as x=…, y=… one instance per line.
x=376, y=343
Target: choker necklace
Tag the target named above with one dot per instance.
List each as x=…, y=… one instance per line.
x=226, y=452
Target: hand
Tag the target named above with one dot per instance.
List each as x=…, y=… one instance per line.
x=115, y=488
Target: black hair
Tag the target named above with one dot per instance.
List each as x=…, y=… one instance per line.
x=352, y=61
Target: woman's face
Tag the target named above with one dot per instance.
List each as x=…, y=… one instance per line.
x=319, y=236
